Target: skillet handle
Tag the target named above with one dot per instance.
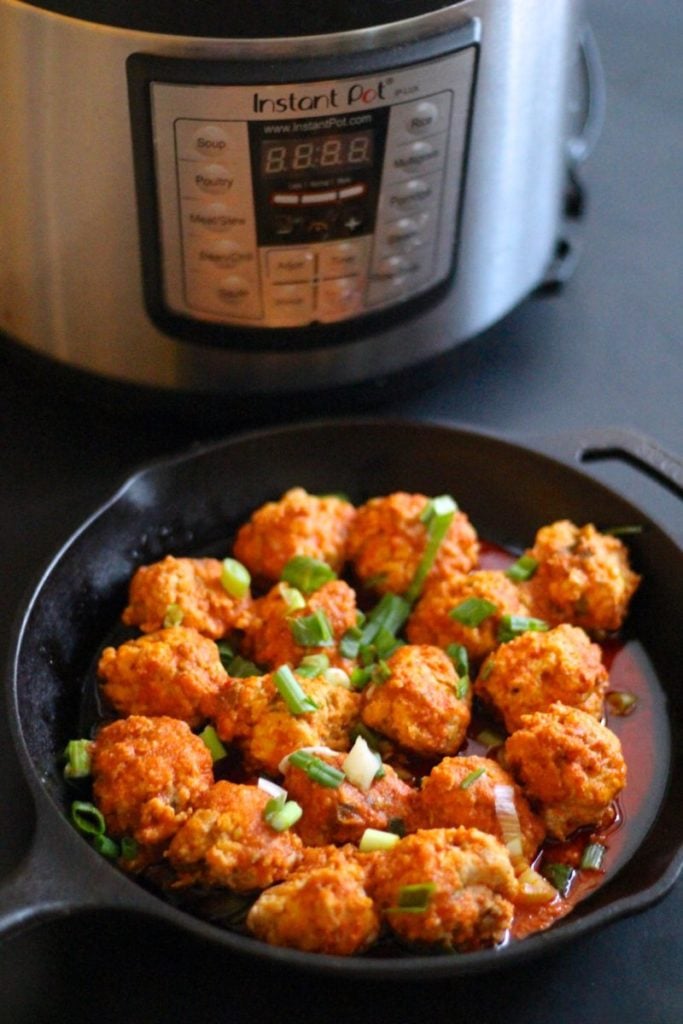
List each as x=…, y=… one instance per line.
x=640, y=452
x=59, y=876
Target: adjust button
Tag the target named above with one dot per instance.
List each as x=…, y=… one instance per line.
x=290, y=265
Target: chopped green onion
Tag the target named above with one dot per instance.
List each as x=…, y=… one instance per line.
x=242, y=668
x=337, y=677
x=593, y=857
x=281, y=813
x=559, y=875
x=462, y=687
x=129, y=848
x=307, y=574
x=360, y=677
x=381, y=672
x=620, y=702
x=292, y=597
x=174, y=616
x=350, y=642
x=87, y=818
x=210, y=739
x=106, y=846
x=437, y=516
x=623, y=531
x=317, y=770
x=312, y=630
x=313, y=665
x=472, y=777
x=460, y=658
x=373, y=739
x=487, y=668
x=390, y=614
x=414, y=899
x=225, y=653
x=235, y=578
x=297, y=700
x=375, y=839
x=77, y=755
x=473, y=611
x=508, y=821
x=512, y=626
x=398, y=826
x=489, y=738
x=362, y=764
x=523, y=569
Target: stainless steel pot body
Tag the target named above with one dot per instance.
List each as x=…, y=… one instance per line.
x=71, y=270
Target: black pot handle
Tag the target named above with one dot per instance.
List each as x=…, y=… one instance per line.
x=59, y=876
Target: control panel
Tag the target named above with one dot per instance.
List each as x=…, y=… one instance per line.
x=314, y=202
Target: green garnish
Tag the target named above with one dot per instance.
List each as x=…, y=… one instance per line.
x=312, y=630
x=523, y=569
x=107, y=847
x=77, y=754
x=210, y=739
x=307, y=574
x=297, y=700
x=472, y=777
x=488, y=738
x=460, y=658
x=376, y=839
x=624, y=531
x=225, y=653
x=174, y=616
x=313, y=665
x=437, y=517
x=317, y=770
x=129, y=848
x=473, y=611
x=620, y=702
x=512, y=626
x=87, y=818
x=242, y=668
x=292, y=597
x=559, y=875
x=281, y=813
x=413, y=899
x=235, y=578
x=593, y=857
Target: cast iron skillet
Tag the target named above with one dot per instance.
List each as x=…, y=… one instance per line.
x=193, y=502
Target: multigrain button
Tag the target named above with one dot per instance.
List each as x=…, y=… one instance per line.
x=213, y=179
x=417, y=157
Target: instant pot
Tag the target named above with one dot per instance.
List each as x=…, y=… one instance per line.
x=265, y=198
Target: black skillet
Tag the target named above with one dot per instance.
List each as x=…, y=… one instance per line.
x=191, y=504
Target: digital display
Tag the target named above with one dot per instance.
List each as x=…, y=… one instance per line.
x=341, y=152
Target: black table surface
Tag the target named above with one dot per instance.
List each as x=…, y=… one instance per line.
x=604, y=351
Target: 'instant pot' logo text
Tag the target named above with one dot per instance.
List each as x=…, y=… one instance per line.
x=354, y=95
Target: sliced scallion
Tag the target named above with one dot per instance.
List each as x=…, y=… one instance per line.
x=317, y=770
x=312, y=630
x=281, y=813
x=437, y=516
x=106, y=847
x=297, y=700
x=313, y=665
x=225, y=653
x=77, y=755
x=593, y=857
x=559, y=875
x=472, y=777
x=413, y=899
x=512, y=626
x=87, y=818
x=292, y=597
x=523, y=569
x=360, y=677
x=174, y=616
x=375, y=839
x=242, y=668
x=129, y=848
x=307, y=574
x=473, y=611
x=460, y=658
x=390, y=614
x=235, y=578
x=620, y=702
x=489, y=738
x=210, y=739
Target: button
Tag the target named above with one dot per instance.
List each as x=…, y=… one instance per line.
x=342, y=259
x=391, y=269
x=214, y=217
x=406, y=233
x=224, y=254
x=412, y=195
x=235, y=292
x=291, y=265
x=417, y=157
x=290, y=304
x=210, y=140
x=422, y=118
x=340, y=298
x=214, y=179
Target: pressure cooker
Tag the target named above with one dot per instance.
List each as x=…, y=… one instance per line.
x=259, y=199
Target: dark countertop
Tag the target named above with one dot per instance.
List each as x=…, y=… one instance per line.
x=604, y=351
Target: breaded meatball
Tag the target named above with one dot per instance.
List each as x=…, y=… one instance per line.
x=193, y=587
x=323, y=910
x=569, y=764
x=583, y=577
x=535, y=669
x=228, y=842
x=462, y=791
x=341, y=815
x=164, y=673
x=431, y=621
x=470, y=882
x=269, y=639
x=252, y=713
x=148, y=774
x=387, y=540
x=418, y=705
x=298, y=524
